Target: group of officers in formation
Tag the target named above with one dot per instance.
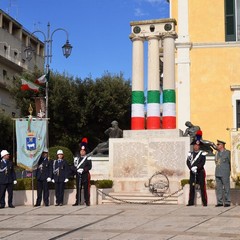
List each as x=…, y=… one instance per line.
x=56, y=171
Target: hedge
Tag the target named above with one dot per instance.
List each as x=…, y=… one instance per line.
x=26, y=184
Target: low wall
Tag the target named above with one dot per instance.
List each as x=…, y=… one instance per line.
x=211, y=195
x=25, y=197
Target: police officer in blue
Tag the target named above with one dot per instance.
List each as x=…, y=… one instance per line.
x=60, y=176
x=222, y=175
x=7, y=179
x=82, y=166
x=44, y=176
x=195, y=162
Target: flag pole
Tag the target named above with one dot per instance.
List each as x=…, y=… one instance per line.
x=30, y=110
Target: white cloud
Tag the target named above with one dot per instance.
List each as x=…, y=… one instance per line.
x=138, y=12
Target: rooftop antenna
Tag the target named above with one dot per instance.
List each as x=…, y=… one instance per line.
x=10, y=5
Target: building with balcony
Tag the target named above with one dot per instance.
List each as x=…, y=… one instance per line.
x=14, y=39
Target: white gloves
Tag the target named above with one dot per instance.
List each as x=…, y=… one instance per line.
x=194, y=169
x=66, y=180
x=49, y=179
x=15, y=182
x=53, y=181
x=80, y=170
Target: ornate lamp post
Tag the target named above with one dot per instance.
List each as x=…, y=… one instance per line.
x=48, y=39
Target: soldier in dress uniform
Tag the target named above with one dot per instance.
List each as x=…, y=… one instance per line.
x=195, y=162
x=44, y=176
x=60, y=177
x=7, y=179
x=82, y=165
x=222, y=174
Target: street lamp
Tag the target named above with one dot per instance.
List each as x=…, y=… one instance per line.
x=48, y=39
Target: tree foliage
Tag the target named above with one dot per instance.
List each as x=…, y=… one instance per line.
x=6, y=133
x=80, y=108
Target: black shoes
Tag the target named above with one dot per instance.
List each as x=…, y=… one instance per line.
x=2, y=206
x=36, y=205
x=188, y=205
x=75, y=204
x=11, y=206
x=227, y=205
x=219, y=205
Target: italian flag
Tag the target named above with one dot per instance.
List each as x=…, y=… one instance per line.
x=27, y=85
x=43, y=79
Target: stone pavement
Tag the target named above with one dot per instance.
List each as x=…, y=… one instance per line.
x=120, y=222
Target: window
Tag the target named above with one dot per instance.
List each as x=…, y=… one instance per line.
x=232, y=20
x=4, y=74
x=238, y=113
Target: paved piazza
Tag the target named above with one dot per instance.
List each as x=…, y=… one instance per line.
x=120, y=222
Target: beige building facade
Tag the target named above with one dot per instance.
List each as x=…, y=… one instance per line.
x=207, y=66
x=14, y=40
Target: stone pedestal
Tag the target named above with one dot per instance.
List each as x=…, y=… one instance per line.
x=100, y=168
x=134, y=158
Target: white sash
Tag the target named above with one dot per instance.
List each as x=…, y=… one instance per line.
x=83, y=160
x=197, y=156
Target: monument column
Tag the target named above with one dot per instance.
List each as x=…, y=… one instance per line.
x=153, y=95
x=138, y=116
x=169, y=93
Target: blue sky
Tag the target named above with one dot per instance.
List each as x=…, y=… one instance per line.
x=98, y=31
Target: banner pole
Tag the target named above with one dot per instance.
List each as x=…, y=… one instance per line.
x=32, y=190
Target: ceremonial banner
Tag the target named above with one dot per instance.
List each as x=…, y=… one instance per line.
x=31, y=134
x=235, y=158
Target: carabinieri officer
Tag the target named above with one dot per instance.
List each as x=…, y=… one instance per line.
x=195, y=162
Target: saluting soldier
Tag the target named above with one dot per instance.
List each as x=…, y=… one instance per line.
x=60, y=176
x=222, y=174
x=7, y=179
x=44, y=176
x=195, y=162
x=82, y=166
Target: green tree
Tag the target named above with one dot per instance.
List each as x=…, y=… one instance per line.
x=80, y=108
x=6, y=133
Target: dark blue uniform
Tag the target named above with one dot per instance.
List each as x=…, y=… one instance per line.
x=60, y=174
x=197, y=159
x=7, y=176
x=43, y=172
x=83, y=179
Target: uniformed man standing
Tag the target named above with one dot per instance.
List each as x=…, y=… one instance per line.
x=43, y=175
x=7, y=179
x=222, y=174
x=60, y=177
x=82, y=166
x=195, y=162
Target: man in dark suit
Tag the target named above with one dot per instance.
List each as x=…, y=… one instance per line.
x=7, y=179
x=43, y=175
